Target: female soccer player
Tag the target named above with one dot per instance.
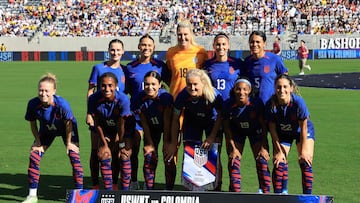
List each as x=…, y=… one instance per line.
x=261, y=68
x=201, y=105
x=243, y=118
x=223, y=70
x=109, y=109
x=116, y=50
x=289, y=120
x=186, y=55
x=154, y=105
x=55, y=119
x=134, y=74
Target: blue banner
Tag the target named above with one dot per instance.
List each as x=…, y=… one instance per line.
x=336, y=53
x=6, y=56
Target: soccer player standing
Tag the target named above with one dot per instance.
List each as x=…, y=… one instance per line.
x=115, y=50
x=154, y=107
x=109, y=109
x=243, y=118
x=201, y=106
x=261, y=68
x=55, y=119
x=134, y=74
x=289, y=119
x=181, y=58
x=223, y=71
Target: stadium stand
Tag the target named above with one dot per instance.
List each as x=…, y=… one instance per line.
x=106, y=18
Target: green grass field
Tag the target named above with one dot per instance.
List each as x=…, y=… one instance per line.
x=334, y=112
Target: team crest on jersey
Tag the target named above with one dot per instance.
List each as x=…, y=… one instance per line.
x=267, y=69
x=252, y=115
x=200, y=156
x=57, y=115
x=231, y=70
x=116, y=111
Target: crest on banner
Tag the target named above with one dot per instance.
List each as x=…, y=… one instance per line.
x=200, y=156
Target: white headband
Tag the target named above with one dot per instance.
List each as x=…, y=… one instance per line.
x=243, y=80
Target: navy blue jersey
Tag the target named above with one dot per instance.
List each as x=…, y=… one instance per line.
x=198, y=112
x=153, y=108
x=51, y=118
x=135, y=72
x=287, y=117
x=223, y=74
x=102, y=68
x=244, y=120
x=107, y=113
x=262, y=73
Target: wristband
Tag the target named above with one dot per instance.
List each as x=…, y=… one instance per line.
x=121, y=145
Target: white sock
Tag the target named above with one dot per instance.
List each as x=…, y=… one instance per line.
x=33, y=192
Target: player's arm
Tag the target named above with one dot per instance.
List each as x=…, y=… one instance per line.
x=306, y=50
x=37, y=144
x=279, y=155
x=120, y=128
x=69, y=131
x=91, y=89
x=149, y=145
x=264, y=146
x=167, y=123
x=306, y=144
x=35, y=132
x=209, y=140
x=166, y=74
x=233, y=151
x=89, y=118
x=104, y=150
x=171, y=149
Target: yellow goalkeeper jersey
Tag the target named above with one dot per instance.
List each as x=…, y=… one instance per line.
x=179, y=61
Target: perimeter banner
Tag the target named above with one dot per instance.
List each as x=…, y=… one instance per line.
x=157, y=196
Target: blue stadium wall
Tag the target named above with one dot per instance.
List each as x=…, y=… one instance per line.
x=132, y=55
x=94, y=49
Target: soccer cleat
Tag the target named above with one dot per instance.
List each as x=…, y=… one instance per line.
x=134, y=185
x=31, y=199
x=301, y=73
x=308, y=67
x=260, y=191
x=284, y=192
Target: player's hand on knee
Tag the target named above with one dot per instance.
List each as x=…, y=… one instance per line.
x=104, y=153
x=37, y=148
x=279, y=158
x=125, y=153
x=264, y=154
x=89, y=120
x=72, y=147
x=305, y=158
x=235, y=154
x=148, y=149
x=170, y=151
x=208, y=142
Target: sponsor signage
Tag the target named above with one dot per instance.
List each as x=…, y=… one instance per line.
x=157, y=196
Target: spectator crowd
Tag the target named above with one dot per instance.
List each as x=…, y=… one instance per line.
x=107, y=18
